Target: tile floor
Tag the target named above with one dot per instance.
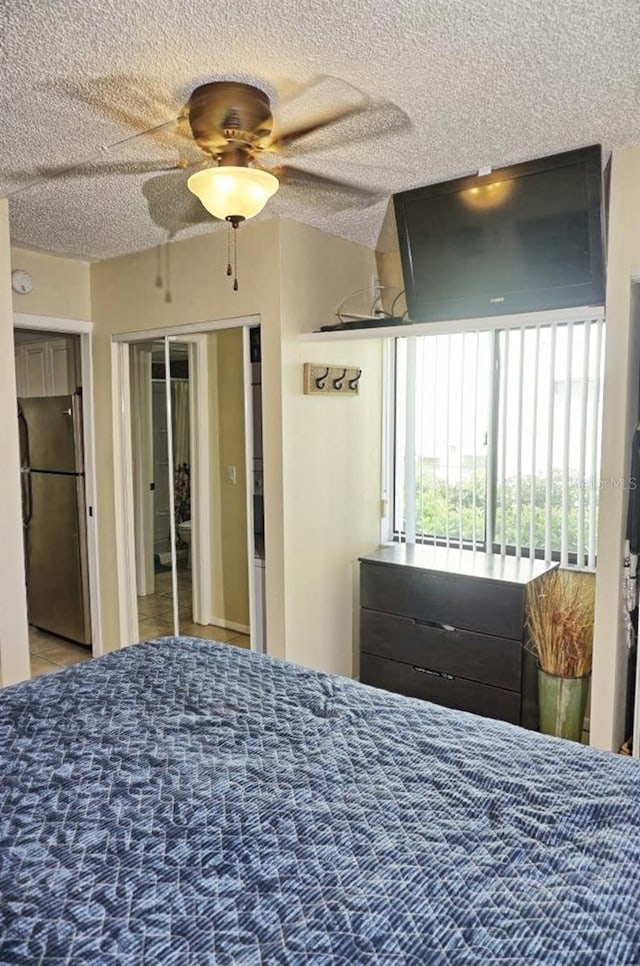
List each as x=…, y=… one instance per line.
x=50, y=653
x=155, y=613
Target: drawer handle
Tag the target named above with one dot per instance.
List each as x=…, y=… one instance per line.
x=434, y=674
x=438, y=626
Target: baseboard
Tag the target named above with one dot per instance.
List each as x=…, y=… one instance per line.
x=229, y=625
x=164, y=556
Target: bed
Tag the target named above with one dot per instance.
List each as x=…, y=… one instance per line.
x=186, y=802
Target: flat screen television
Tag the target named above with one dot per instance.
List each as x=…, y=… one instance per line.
x=521, y=239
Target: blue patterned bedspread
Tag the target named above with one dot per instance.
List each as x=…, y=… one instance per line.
x=184, y=802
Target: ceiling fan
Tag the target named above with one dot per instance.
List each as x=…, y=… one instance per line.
x=227, y=138
x=229, y=124
x=233, y=126
x=232, y=123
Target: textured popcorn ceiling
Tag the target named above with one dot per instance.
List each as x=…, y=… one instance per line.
x=485, y=82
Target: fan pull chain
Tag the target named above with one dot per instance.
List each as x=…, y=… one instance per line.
x=167, y=295
x=159, y=267
x=234, y=221
x=235, y=258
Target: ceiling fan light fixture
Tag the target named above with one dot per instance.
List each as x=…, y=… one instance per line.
x=229, y=192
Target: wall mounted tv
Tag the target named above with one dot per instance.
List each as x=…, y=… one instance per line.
x=520, y=239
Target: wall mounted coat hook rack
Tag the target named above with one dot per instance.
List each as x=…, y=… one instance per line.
x=326, y=379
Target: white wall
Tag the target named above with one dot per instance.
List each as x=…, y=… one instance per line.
x=620, y=417
x=14, y=642
x=331, y=450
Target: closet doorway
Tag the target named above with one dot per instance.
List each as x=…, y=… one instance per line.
x=192, y=544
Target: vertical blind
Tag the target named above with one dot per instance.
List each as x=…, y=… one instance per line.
x=497, y=440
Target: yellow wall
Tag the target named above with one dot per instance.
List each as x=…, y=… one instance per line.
x=61, y=290
x=61, y=286
x=322, y=488
x=331, y=453
x=390, y=273
x=14, y=644
x=620, y=417
x=229, y=564
x=125, y=299
x=322, y=484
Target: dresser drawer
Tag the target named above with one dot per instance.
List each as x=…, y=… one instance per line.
x=406, y=679
x=490, y=607
x=467, y=654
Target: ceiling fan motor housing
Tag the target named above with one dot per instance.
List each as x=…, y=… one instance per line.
x=226, y=114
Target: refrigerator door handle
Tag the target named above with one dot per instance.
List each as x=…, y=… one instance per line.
x=27, y=501
x=75, y=410
x=25, y=460
x=25, y=471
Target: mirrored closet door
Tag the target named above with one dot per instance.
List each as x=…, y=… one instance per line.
x=195, y=484
x=156, y=369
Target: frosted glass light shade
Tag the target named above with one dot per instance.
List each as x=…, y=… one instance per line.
x=227, y=190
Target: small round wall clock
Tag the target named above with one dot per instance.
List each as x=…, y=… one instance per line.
x=21, y=281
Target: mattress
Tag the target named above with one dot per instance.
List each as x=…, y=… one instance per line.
x=186, y=802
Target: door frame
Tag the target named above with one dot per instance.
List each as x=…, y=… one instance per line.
x=83, y=329
x=142, y=450
x=141, y=372
x=123, y=477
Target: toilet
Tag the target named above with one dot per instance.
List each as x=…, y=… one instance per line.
x=184, y=530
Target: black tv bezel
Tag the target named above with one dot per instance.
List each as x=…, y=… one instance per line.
x=591, y=293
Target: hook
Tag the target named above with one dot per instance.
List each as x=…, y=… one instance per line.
x=353, y=383
x=337, y=383
x=321, y=380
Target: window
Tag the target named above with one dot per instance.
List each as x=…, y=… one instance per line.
x=497, y=436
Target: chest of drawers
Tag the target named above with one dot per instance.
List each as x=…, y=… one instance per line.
x=449, y=626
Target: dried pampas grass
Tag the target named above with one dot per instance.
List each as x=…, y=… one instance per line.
x=560, y=610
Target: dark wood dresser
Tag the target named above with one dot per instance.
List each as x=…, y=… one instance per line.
x=448, y=625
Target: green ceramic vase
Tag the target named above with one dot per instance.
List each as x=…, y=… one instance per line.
x=562, y=702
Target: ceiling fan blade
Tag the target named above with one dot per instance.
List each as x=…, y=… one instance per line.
x=101, y=164
x=112, y=94
x=288, y=173
x=351, y=126
x=89, y=169
x=281, y=140
x=333, y=190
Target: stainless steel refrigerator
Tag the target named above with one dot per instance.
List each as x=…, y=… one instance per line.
x=54, y=515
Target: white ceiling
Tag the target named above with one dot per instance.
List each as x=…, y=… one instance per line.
x=484, y=82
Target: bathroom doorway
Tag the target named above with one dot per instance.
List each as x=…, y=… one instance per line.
x=195, y=484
